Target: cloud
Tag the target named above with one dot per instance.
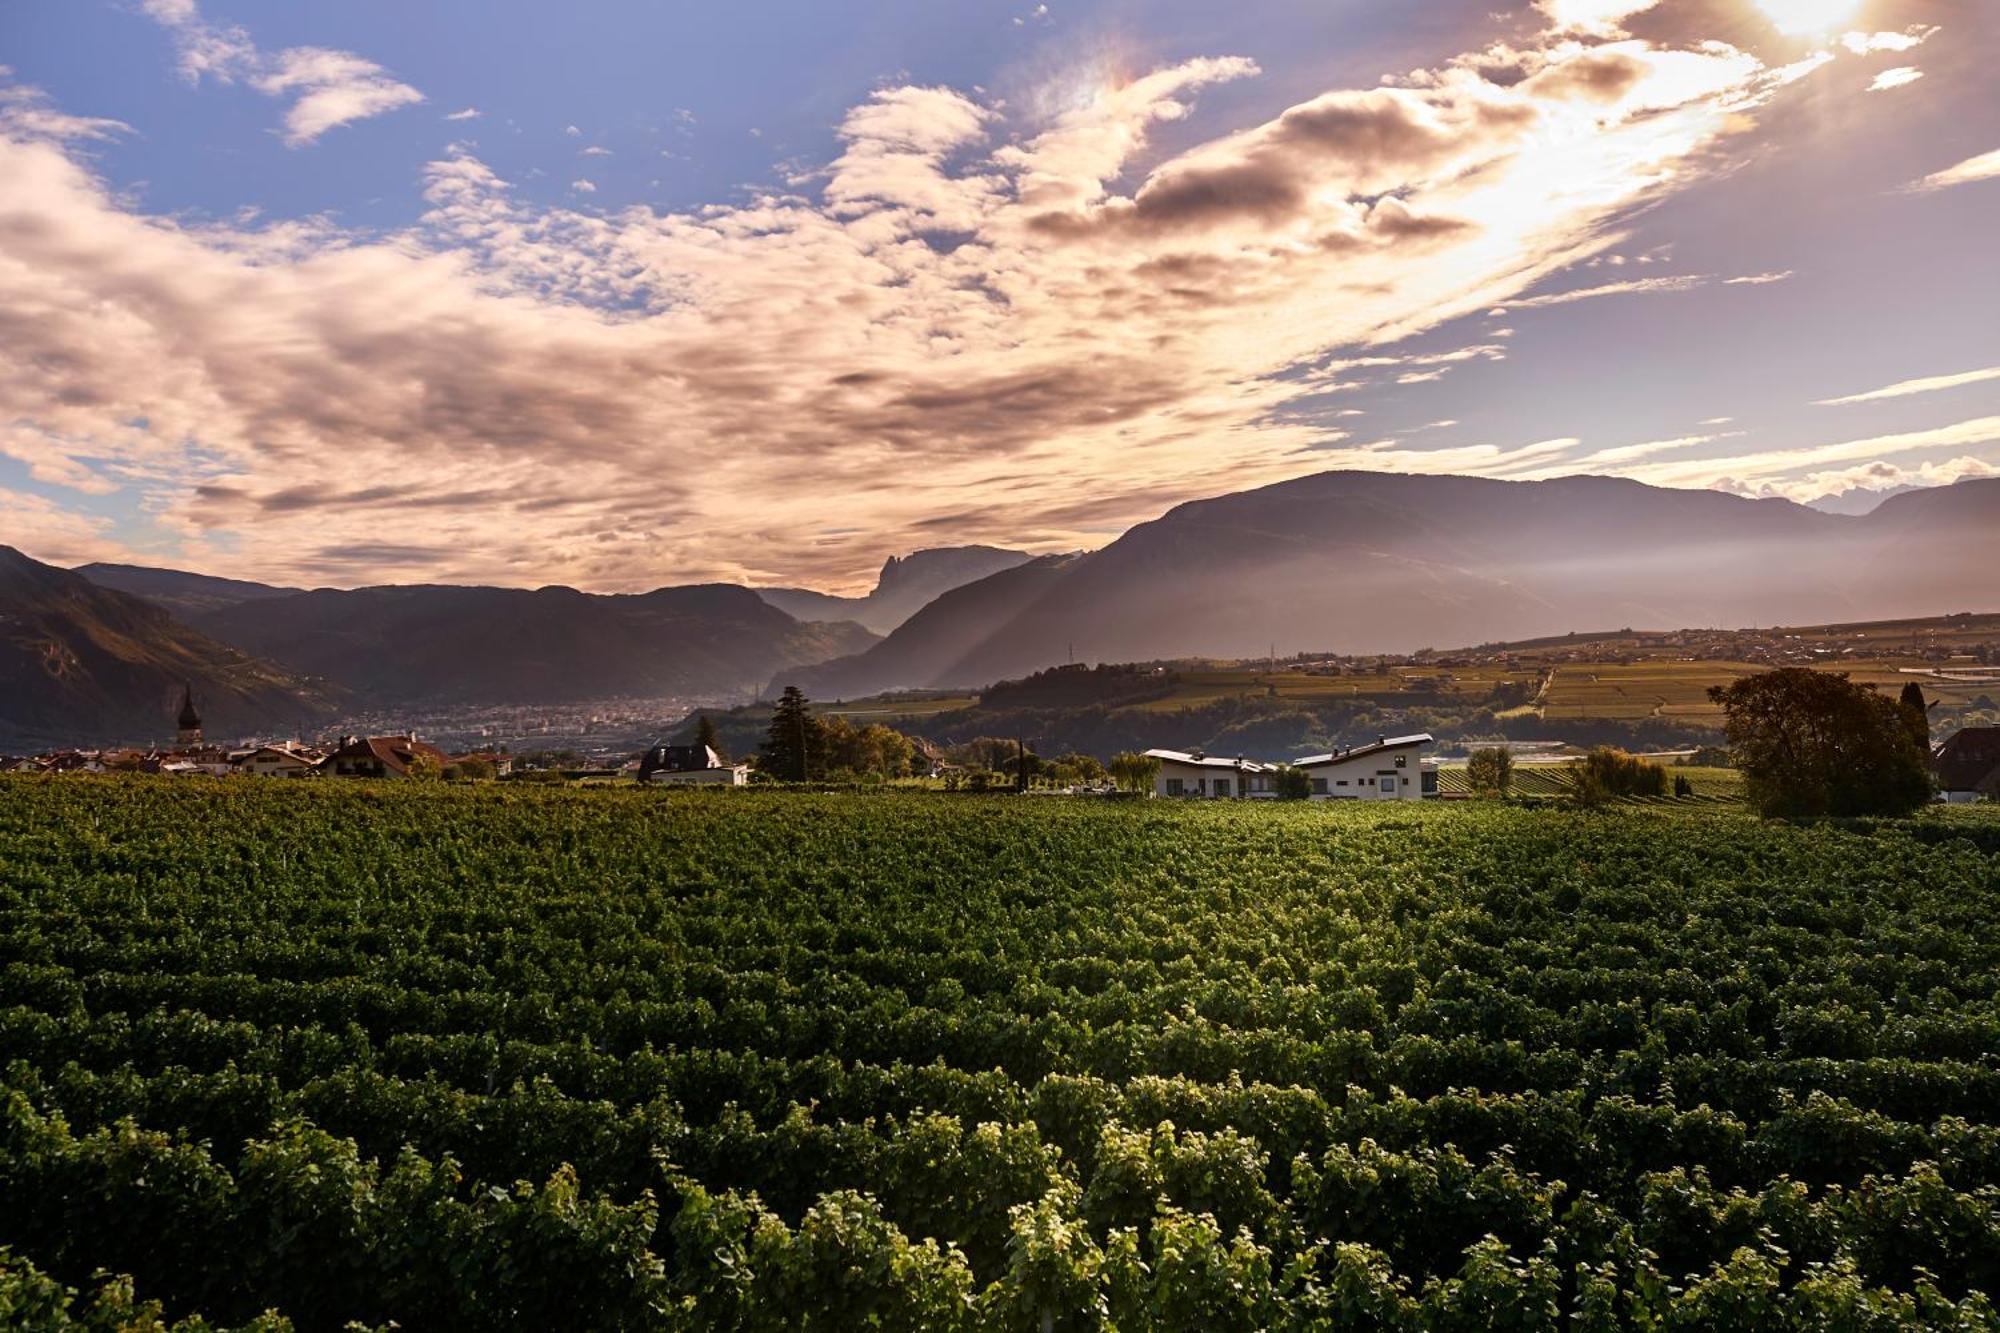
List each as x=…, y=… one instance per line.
x=1636, y=287
x=466, y=113
x=1878, y=475
x=330, y=88
x=1594, y=17
x=1020, y=314
x=1758, y=279
x=26, y=113
x=582, y=186
x=1867, y=43
x=333, y=88
x=1900, y=77
x=595, y=151
x=1985, y=167
x=1904, y=388
x=1748, y=469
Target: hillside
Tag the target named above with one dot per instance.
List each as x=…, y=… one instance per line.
x=82, y=663
x=547, y=645
x=177, y=590
x=905, y=586
x=930, y=645
x=1373, y=562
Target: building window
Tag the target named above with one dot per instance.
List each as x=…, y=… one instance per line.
x=1175, y=787
x=1222, y=786
x=1319, y=786
x=1341, y=783
x=1389, y=783
x=1402, y=761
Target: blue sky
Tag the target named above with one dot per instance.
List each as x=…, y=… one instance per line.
x=622, y=294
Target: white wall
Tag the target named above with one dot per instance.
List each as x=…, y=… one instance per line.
x=1363, y=775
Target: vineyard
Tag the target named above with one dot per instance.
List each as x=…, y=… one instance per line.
x=503, y=1058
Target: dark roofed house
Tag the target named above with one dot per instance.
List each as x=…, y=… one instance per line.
x=1967, y=766
x=385, y=757
x=690, y=763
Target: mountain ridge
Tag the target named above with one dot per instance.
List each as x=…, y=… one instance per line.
x=84, y=663
x=1363, y=561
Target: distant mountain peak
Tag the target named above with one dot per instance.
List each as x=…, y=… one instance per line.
x=906, y=584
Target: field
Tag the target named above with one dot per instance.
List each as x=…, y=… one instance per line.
x=510, y=1058
x=1662, y=688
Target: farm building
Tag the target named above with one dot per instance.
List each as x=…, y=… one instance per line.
x=690, y=765
x=1387, y=769
x=279, y=761
x=1967, y=766
x=384, y=757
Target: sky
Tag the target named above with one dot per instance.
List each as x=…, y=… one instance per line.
x=619, y=294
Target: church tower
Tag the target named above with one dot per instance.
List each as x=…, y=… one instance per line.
x=190, y=720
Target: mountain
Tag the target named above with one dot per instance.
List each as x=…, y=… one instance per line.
x=928, y=647
x=548, y=645
x=906, y=584
x=81, y=663
x=1857, y=500
x=1375, y=562
x=178, y=591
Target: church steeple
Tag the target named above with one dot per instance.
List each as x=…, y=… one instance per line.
x=190, y=720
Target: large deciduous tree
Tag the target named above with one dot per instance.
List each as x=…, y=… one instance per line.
x=1816, y=743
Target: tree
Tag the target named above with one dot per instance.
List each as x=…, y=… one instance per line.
x=1917, y=715
x=1816, y=743
x=1490, y=771
x=794, y=750
x=1135, y=772
x=1706, y=756
x=1293, y=784
x=706, y=734
x=1621, y=774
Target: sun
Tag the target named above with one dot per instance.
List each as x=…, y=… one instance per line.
x=1807, y=17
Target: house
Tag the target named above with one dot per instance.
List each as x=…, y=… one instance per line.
x=1391, y=768
x=1192, y=773
x=286, y=760
x=690, y=765
x=501, y=764
x=1967, y=766
x=385, y=757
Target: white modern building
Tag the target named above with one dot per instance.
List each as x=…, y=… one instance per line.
x=1196, y=774
x=1390, y=768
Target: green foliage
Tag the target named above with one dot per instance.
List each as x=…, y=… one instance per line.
x=1609, y=773
x=1490, y=771
x=1292, y=784
x=794, y=749
x=1814, y=743
x=496, y=1057
x=1135, y=772
x=705, y=733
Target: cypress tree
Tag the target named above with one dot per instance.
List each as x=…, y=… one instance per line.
x=793, y=749
x=1918, y=712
